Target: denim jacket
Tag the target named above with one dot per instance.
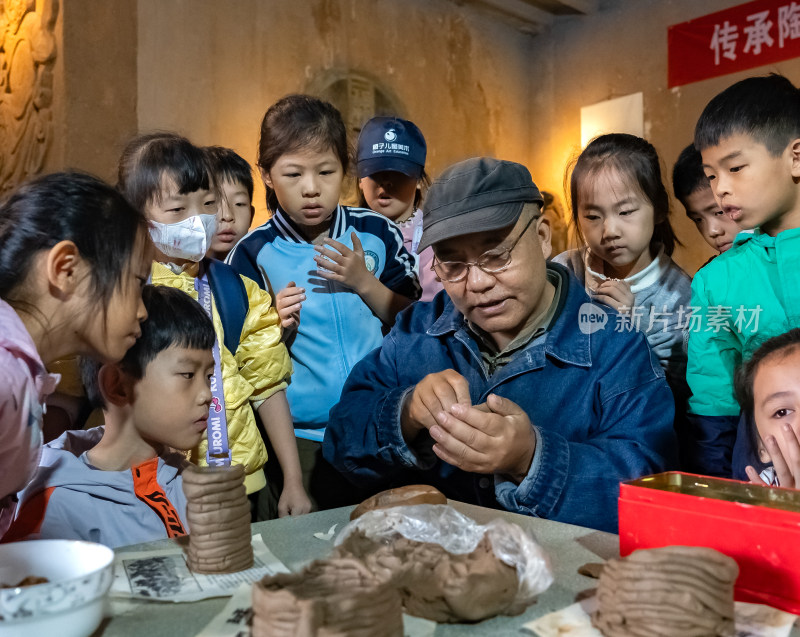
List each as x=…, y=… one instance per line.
x=601, y=409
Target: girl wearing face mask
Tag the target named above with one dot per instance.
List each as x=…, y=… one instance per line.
x=169, y=179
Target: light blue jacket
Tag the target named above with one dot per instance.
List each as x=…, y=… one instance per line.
x=337, y=329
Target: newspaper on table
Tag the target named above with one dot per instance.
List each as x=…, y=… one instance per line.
x=163, y=575
x=751, y=620
x=236, y=618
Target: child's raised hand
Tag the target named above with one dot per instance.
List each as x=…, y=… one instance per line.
x=615, y=293
x=787, y=468
x=288, y=303
x=342, y=264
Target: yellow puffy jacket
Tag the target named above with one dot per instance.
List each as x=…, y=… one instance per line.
x=260, y=367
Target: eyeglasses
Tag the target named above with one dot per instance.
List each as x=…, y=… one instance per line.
x=492, y=261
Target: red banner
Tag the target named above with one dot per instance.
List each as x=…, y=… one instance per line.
x=742, y=37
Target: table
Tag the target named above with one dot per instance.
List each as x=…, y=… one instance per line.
x=293, y=542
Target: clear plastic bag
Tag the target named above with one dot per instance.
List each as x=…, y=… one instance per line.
x=456, y=533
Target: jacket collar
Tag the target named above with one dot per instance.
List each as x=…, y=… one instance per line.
x=765, y=240
x=14, y=337
x=191, y=269
x=290, y=231
x=743, y=237
x=161, y=272
x=564, y=340
x=769, y=247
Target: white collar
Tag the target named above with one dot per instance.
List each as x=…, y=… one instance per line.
x=638, y=282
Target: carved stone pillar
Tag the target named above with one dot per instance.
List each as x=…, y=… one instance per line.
x=68, y=86
x=27, y=56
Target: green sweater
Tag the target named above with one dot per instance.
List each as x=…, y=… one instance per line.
x=741, y=298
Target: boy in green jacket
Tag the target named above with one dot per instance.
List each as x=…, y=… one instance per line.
x=749, y=138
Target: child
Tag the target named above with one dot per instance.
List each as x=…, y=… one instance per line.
x=391, y=170
x=121, y=484
x=169, y=179
x=73, y=259
x=749, y=138
x=559, y=232
x=341, y=274
x=768, y=389
x=234, y=178
x=621, y=210
x=693, y=191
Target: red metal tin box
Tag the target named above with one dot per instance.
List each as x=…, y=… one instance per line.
x=757, y=526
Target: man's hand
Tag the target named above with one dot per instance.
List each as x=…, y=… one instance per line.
x=787, y=466
x=434, y=394
x=496, y=437
x=615, y=293
x=288, y=303
x=342, y=264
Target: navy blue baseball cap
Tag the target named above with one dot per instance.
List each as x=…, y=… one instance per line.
x=391, y=143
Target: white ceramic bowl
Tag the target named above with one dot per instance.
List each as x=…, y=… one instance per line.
x=70, y=604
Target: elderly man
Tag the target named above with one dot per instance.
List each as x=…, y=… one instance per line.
x=495, y=392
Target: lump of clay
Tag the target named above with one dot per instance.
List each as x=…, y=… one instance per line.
x=448, y=568
x=218, y=516
x=401, y=496
x=329, y=598
x=675, y=591
x=437, y=585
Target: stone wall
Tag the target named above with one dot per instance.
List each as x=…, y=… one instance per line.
x=474, y=85
x=210, y=69
x=94, y=85
x=619, y=50
x=100, y=83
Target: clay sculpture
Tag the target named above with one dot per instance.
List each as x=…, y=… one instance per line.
x=675, y=591
x=218, y=516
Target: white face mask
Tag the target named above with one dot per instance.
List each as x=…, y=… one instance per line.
x=188, y=239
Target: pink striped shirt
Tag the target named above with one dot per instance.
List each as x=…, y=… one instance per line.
x=412, y=231
x=24, y=386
